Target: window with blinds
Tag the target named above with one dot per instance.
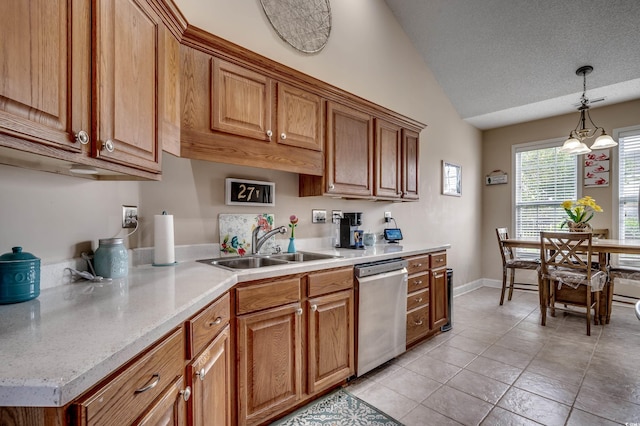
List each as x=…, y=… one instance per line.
x=544, y=178
x=628, y=190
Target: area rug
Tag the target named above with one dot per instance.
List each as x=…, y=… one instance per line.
x=338, y=408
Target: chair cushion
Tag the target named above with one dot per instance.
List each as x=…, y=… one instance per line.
x=522, y=263
x=573, y=278
x=626, y=273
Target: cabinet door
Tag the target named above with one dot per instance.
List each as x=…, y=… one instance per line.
x=349, y=168
x=210, y=378
x=388, y=156
x=439, y=302
x=170, y=408
x=269, y=356
x=410, y=165
x=126, y=74
x=44, y=72
x=331, y=340
x=241, y=101
x=299, y=118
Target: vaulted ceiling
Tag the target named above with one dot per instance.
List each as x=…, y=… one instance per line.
x=503, y=62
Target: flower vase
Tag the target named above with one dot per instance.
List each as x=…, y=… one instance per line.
x=292, y=245
x=579, y=227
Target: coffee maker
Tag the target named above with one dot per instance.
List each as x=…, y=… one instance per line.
x=350, y=234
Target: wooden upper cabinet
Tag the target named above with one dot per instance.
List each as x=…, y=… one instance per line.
x=126, y=106
x=388, y=155
x=410, y=165
x=241, y=102
x=299, y=118
x=349, y=169
x=44, y=71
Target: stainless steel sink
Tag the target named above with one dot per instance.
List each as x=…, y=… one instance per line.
x=302, y=256
x=244, y=262
x=260, y=261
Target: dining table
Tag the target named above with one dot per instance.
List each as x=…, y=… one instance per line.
x=604, y=248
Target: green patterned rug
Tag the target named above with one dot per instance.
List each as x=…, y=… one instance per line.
x=338, y=408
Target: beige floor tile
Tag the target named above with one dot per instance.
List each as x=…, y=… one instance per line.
x=424, y=416
x=508, y=356
x=458, y=405
x=555, y=389
x=388, y=401
x=480, y=386
x=481, y=335
x=412, y=385
x=582, y=418
x=433, y=368
x=510, y=341
x=501, y=417
x=625, y=387
x=535, y=407
x=495, y=369
x=562, y=369
x=468, y=344
x=607, y=406
x=453, y=355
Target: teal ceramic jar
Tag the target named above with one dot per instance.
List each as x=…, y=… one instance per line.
x=111, y=259
x=19, y=276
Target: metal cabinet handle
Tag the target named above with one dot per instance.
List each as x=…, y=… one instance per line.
x=314, y=308
x=299, y=311
x=436, y=275
x=419, y=299
x=332, y=186
x=201, y=374
x=269, y=134
x=283, y=136
x=215, y=322
x=417, y=282
x=109, y=145
x=82, y=137
x=186, y=394
x=153, y=384
x=418, y=322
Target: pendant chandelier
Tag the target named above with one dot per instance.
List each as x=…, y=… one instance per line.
x=575, y=142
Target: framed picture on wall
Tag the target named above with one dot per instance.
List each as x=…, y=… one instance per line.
x=451, y=179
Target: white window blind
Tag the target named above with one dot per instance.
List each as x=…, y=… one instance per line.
x=545, y=177
x=628, y=190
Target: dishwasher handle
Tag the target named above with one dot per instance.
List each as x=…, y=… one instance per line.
x=400, y=272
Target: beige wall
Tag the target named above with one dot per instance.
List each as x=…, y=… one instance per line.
x=497, y=154
x=369, y=55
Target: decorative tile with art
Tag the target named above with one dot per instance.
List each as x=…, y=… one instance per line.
x=236, y=229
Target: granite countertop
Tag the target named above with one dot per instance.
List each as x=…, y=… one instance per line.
x=59, y=345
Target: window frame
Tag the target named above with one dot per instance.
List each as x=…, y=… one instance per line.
x=532, y=146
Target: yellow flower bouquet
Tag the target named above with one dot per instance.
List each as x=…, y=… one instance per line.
x=580, y=212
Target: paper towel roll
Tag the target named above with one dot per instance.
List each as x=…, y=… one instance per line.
x=164, y=251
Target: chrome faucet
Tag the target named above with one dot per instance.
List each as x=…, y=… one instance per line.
x=256, y=242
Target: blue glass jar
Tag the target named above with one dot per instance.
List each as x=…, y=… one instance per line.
x=111, y=259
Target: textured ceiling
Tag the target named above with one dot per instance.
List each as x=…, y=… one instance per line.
x=503, y=62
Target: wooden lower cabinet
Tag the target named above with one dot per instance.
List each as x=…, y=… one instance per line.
x=427, y=303
x=269, y=356
x=209, y=377
x=292, y=350
x=170, y=408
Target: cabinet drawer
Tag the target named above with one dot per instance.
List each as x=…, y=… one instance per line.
x=419, y=298
x=330, y=282
x=417, y=282
x=124, y=397
x=438, y=260
x=417, y=323
x=206, y=325
x=417, y=264
x=256, y=297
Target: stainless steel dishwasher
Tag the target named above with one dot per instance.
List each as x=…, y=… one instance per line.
x=382, y=312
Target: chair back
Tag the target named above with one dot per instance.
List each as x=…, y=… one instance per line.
x=505, y=251
x=600, y=233
x=567, y=251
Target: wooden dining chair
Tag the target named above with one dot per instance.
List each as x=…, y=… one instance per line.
x=566, y=274
x=600, y=233
x=511, y=263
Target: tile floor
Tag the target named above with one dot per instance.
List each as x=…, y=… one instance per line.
x=499, y=366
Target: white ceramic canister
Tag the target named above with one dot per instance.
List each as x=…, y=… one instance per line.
x=111, y=259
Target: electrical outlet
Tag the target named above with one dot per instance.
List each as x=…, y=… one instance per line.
x=129, y=216
x=387, y=216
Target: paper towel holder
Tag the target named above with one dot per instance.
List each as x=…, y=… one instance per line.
x=168, y=237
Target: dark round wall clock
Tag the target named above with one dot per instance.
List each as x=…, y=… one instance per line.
x=304, y=24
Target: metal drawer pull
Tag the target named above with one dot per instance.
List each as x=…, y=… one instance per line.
x=419, y=299
x=215, y=322
x=283, y=136
x=417, y=265
x=186, y=394
x=109, y=145
x=151, y=385
x=82, y=137
x=438, y=275
x=269, y=134
x=418, y=322
x=201, y=374
x=299, y=311
x=417, y=282
x=314, y=308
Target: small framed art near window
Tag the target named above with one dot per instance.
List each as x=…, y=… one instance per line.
x=451, y=179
